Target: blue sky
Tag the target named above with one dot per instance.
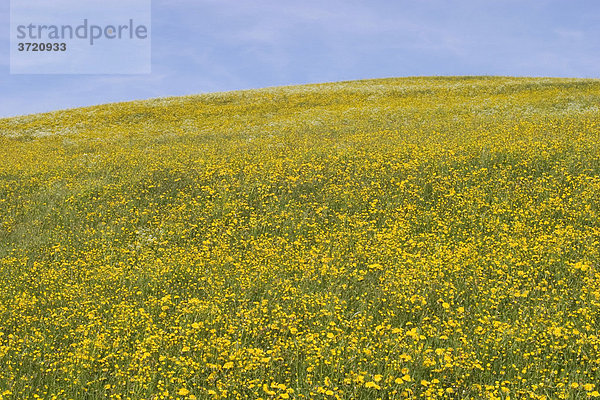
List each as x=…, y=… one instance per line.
x=203, y=46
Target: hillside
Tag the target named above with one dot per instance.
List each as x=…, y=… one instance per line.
x=377, y=239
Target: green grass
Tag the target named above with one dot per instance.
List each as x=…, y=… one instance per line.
x=379, y=239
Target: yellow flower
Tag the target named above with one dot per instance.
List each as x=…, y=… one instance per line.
x=588, y=387
x=183, y=392
x=267, y=390
x=372, y=385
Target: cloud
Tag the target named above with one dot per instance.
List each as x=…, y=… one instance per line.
x=217, y=45
x=4, y=34
x=569, y=34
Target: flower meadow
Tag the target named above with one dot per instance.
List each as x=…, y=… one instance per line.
x=418, y=238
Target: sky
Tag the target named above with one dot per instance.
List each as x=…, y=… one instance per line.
x=201, y=46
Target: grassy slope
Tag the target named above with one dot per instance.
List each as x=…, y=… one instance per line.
x=373, y=239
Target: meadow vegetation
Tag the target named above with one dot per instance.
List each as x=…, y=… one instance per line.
x=381, y=239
